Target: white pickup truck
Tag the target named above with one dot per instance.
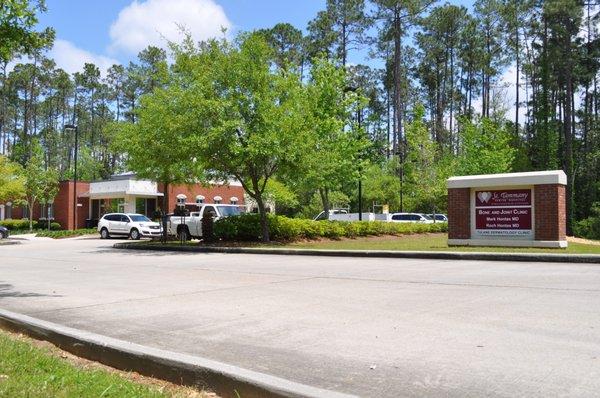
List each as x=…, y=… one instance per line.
x=189, y=227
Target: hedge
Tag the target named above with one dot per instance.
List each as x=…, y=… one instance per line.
x=22, y=225
x=66, y=233
x=588, y=228
x=246, y=227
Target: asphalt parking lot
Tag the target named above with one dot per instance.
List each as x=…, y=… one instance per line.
x=371, y=327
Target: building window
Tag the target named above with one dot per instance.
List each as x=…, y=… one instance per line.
x=200, y=199
x=114, y=205
x=140, y=205
x=8, y=211
x=233, y=200
x=46, y=211
x=217, y=200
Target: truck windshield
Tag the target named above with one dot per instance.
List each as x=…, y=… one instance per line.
x=226, y=211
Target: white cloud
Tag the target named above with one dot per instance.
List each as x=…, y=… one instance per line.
x=71, y=58
x=153, y=22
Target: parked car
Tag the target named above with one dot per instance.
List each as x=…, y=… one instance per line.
x=132, y=225
x=438, y=217
x=190, y=226
x=411, y=217
x=3, y=232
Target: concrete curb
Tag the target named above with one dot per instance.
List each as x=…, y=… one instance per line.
x=226, y=380
x=480, y=256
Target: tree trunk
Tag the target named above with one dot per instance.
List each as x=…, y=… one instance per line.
x=324, y=193
x=397, y=78
x=165, y=210
x=262, y=211
x=517, y=80
x=30, y=205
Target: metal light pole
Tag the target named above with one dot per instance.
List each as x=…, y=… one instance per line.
x=360, y=211
x=74, y=127
x=358, y=117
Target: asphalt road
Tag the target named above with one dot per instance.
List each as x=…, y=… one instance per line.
x=372, y=327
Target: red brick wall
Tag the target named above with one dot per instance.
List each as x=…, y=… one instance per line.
x=209, y=192
x=63, y=206
x=459, y=213
x=550, y=212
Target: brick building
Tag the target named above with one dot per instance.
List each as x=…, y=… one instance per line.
x=123, y=193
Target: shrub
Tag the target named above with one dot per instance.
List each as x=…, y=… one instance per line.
x=54, y=226
x=15, y=225
x=590, y=227
x=246, y=227
x=23, y=225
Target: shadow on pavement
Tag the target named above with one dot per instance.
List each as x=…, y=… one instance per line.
x=7, y=290
x=141, y=253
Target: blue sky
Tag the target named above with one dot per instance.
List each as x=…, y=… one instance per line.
x=110, y=31
x=83, y=28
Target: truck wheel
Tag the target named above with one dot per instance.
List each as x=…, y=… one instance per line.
x=183, y=234
x=104, y=233
x=134, y=234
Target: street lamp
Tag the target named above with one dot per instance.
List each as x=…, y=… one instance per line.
x=358, y=118
x=74, y=127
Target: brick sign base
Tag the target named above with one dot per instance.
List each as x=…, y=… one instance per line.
x=516, y=209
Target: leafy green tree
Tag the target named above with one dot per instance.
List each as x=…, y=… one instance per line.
x=248, y=120
x=284, y=198
x=381, y=184
x=425, y=172
x=41, y=185
x=348, y=24
x=288, y=45
x=485, y=148
x=12, y=181
x=18, y=20
x=156, y=147
x=334, y=154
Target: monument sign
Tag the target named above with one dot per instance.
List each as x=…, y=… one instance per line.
x=517, y=209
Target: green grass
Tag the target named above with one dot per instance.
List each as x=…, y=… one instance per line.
x=30, y=371
x=430, y=242
x=415, y=242
x=66, y=233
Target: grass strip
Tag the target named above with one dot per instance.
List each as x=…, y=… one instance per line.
x=30, y=368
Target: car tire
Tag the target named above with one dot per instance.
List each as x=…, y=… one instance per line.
x=2, y=235
x=134, y=234
x=183, y=234
x=104, y=234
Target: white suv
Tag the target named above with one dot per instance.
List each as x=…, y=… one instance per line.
x=132, y=225
x=411, y=217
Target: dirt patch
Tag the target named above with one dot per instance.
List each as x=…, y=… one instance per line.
x=170, y=389
x=583, y=241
